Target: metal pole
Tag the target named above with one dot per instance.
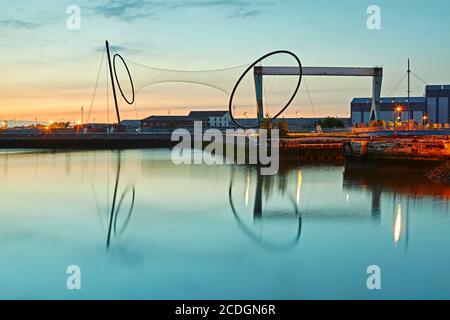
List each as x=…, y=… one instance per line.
x=113, y=83
x=409, y=93
x=258, y=77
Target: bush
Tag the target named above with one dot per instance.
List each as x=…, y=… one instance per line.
x=283, y=128
x=331, y=123
x=377, y=123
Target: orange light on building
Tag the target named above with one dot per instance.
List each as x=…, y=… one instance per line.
x=399, y=108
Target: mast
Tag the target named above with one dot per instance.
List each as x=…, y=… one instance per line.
x=409, y=91
x=113, y=83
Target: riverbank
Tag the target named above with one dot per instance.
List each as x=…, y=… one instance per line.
x=120, y=140
x=441, y=174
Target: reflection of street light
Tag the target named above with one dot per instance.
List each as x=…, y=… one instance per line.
x=398, y=223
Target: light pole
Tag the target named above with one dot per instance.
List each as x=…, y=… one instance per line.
x=399, y=110
x=82, y=114
x=424, y=120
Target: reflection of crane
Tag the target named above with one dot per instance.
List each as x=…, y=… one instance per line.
x=258, y=214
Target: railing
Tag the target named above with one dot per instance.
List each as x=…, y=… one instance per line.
x=404, y=127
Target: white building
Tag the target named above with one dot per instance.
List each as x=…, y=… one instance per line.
x=214, y=119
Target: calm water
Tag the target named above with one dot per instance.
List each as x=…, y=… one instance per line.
x=213, y=232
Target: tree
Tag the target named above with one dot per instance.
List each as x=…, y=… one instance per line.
x=377, y=123
x=283, y=127
x=330, y=122
x=267, y=124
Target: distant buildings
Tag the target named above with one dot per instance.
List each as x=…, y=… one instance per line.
x=131, y=125
x=165, y=124
x=211, y=119
x=220, y=120
x=154, y=123
x=437, y=103
x=434, y=106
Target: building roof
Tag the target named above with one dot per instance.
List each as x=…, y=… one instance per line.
x=207, y=114
x=167, y=118
x=292, y=122
x=392, y=100
x=437, y=87
x=130, y=122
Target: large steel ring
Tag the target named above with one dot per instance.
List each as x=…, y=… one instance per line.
x=117, y=79
x=230, y=103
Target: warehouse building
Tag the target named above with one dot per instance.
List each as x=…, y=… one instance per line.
x=435, y=106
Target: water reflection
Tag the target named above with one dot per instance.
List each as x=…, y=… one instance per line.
x=191, y=231
x=116, y=205
x=398, y=223
x=401, y=184
x=254, y=229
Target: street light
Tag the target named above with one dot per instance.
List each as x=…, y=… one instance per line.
x=424, y=120
x=398, y=109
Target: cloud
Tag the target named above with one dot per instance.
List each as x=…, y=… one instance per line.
x=130, y=10
x=18, y=24
x=244, y=14
x=119, y=49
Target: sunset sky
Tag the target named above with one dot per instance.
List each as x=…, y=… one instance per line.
x=49, y=71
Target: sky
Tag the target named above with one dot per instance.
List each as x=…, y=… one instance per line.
x=48, y=71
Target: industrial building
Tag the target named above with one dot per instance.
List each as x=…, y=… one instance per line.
x=212, y=119
x=434, y=105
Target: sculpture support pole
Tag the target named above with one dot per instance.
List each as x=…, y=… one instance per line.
x=113, y=84
x=259, y=95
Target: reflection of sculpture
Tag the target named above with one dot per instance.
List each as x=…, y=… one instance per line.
x=115, y=210
x=258, y=215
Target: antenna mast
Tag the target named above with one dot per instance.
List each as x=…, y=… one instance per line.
x=409, y=91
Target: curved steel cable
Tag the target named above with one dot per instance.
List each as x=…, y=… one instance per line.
x=223, y=80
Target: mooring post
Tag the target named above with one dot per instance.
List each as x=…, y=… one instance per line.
x=113, y=83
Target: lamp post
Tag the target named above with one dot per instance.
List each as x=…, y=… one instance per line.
x=398, y=109
x=424, y=120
